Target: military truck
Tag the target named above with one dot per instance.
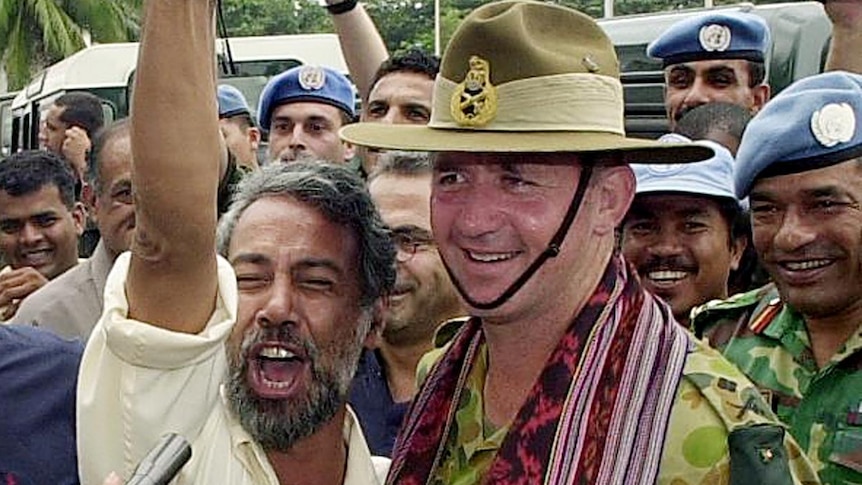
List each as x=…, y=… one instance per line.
x=801, y=32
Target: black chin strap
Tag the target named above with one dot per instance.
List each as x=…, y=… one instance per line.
x=551, y=251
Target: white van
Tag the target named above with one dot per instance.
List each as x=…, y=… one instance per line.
x=107, y=70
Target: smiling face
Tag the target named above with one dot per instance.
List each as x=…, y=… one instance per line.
x=691, y=84
x=494, y=214
x=300, y=327
x=38, y=230
x=682, y=249
x=808, y=234
x=423, y=296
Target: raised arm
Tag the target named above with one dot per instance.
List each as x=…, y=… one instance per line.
x=844, y=52
x=361, y=44
x=175, y=146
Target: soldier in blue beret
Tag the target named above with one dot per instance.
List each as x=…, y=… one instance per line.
x=800, y=339
x=684, y=233
x=241, y=136
x=302, y=109
x=717, y=56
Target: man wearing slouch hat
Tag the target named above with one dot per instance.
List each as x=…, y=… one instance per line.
x=567, y=370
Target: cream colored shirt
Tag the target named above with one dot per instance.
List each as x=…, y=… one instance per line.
x=138, y=382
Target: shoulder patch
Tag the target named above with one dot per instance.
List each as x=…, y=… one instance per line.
x=704, y=316
x=758, y=455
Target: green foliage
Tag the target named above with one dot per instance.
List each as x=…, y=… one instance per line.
x=406, y=23
x=274, y=17
x=36, y=33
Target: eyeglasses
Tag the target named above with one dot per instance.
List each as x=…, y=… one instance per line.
x=409, y=241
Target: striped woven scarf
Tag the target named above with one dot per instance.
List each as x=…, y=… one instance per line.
x=597, y=413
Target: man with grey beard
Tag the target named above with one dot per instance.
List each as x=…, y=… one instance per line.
x=249, y=356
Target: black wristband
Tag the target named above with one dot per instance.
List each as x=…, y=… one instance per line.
x=341, y=7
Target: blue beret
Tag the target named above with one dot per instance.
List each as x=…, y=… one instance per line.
x=729, y=35
x=306, y=83
x=231, y=102
x=713, y=177
x=812, y=124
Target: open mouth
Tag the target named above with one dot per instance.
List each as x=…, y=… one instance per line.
x=483, y=257
x=806, y=265
x=276, y=370
x=666, y=278
x=37, y=257
x=803, y=272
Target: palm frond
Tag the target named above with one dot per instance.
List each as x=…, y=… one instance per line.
x=60, y=34
x=18, y=54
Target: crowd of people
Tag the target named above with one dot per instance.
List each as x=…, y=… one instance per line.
x=477, y=277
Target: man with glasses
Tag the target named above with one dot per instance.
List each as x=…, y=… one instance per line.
x=423, y=298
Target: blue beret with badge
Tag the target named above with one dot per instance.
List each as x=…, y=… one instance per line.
x=712, y=177
x=812, y=124
x=718, y=35
x=231, y=102
x=307, y=83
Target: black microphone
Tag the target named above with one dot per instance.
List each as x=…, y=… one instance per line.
x=163, y=461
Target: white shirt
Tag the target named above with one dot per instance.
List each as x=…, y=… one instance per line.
x=138, y=381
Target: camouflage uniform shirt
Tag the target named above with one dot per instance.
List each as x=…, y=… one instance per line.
x=822, y=407
x=718, y=421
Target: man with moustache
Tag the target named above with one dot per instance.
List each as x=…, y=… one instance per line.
x=684, y=232
x=302, y=110
x=251, y=359
x=40, y=222
x=567, y=370
x=70, y=304
x=422, y=299
x=716, y=56
x=800, y=339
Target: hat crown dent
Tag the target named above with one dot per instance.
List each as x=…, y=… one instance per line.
x=522, y=40
x=552, y=85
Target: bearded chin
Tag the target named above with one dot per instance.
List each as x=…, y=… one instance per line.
x=278, y=424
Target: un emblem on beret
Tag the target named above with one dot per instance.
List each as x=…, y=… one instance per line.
x=312, y=78
x=474, y=102
x=833, y=124
x=714, y=37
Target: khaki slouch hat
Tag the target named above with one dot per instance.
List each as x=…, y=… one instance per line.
x=524, y=76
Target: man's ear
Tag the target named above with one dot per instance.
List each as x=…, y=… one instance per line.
x=349, y=152
x=615, y=190
x=253, y=135
x=89, y=198
x=79, y=217
x=761, y=95
x=737, y=249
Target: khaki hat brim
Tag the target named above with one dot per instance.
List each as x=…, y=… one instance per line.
x=423, y=138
